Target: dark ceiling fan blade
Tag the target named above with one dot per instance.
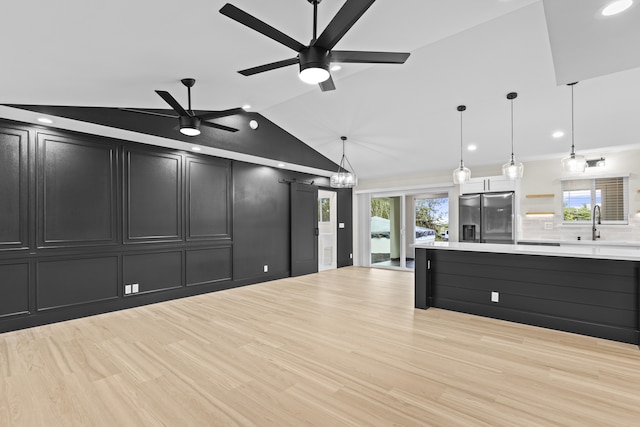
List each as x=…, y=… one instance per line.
x=327, y=85
x=350, y=12
x=172, y=102
x=217, y=126
x=152, y=113
x=223, y=113
x=356, y=56
x=268, y=67
x=254, y=23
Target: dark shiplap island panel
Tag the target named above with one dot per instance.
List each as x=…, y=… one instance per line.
x=590, y=296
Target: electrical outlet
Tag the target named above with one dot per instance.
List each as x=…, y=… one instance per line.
x=548, y=226
x=127, y=289
x=341, y=225
x=495, y=296
x=350, y=256
x=266, y=268
x=135, y=288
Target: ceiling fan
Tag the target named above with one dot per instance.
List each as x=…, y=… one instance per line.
x=315, y=58
x=190, y=122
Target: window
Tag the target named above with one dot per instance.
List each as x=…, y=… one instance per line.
x=580, y=196
x=324, y=209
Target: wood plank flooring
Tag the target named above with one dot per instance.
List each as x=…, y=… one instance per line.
x=339, y=348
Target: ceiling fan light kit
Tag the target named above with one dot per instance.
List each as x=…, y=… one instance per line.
x=189, y=125
x=314, y=65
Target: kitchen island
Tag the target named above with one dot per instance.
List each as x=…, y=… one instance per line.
x=589, y=290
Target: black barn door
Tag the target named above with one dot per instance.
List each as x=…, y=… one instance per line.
x=304, y=229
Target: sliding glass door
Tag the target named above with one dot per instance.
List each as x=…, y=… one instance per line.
x=386, y=232
x=395, y=222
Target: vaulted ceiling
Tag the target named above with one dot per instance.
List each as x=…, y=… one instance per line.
x=400, y=119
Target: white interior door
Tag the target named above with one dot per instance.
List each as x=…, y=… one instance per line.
x=327, y=226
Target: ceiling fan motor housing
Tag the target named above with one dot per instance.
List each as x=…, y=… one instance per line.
x=189, y=122
x=314, y=57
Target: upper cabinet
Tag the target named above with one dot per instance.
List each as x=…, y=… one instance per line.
x=488, y=184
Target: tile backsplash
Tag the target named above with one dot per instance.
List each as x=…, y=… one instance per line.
x=552, y=228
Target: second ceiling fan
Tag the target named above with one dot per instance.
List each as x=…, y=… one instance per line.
x=190, y=122
x=316, y=58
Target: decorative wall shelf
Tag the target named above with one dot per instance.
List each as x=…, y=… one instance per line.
x=538, y=196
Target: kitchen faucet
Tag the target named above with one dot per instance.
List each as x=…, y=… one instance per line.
x=595, y=234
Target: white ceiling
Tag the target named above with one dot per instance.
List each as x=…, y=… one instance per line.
x=400, y=119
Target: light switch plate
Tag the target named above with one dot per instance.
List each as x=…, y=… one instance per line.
x=135, y=288
x=127, y=289
x=341, y=225
x=266, y=268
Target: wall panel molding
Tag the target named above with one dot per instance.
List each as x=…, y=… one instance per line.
x=153, y=203
x=76, y=191
x=14, y=185
x=208, y=198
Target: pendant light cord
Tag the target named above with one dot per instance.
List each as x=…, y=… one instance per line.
x=572, y=136
x=461, y=108
x=573, y=151
x=511, y=130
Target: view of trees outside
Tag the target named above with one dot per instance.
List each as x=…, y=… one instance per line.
x=577, y=204
x=381, y=207
x=433, y=213
x=324, y=213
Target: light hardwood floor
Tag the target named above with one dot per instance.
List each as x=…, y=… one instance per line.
x=341, y=347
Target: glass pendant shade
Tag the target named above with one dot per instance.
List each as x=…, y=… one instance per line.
x=461, y=174
x=343, y=178
x=574, y=163
x=512, y=169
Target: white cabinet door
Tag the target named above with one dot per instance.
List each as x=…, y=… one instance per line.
x=489, y=184
x=475, y=185
x=500, y=183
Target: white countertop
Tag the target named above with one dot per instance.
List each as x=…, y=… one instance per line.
x=583, y=242
x=628, y=253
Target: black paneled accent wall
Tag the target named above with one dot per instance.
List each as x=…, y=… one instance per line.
x=90, y=224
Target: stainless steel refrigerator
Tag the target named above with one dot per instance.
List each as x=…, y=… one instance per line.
x=487, y=218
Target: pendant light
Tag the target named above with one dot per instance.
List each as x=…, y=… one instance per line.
x=511, y=169
x=343, y=178
x=461, y=174
x=573, y=163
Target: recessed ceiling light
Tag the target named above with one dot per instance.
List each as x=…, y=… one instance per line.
x=253, y=124
x=336, y=67
x=246, y=107
x=45, y=120
x=196, y=148
x=616, y=7
x=558, y=134
x=472, y=147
